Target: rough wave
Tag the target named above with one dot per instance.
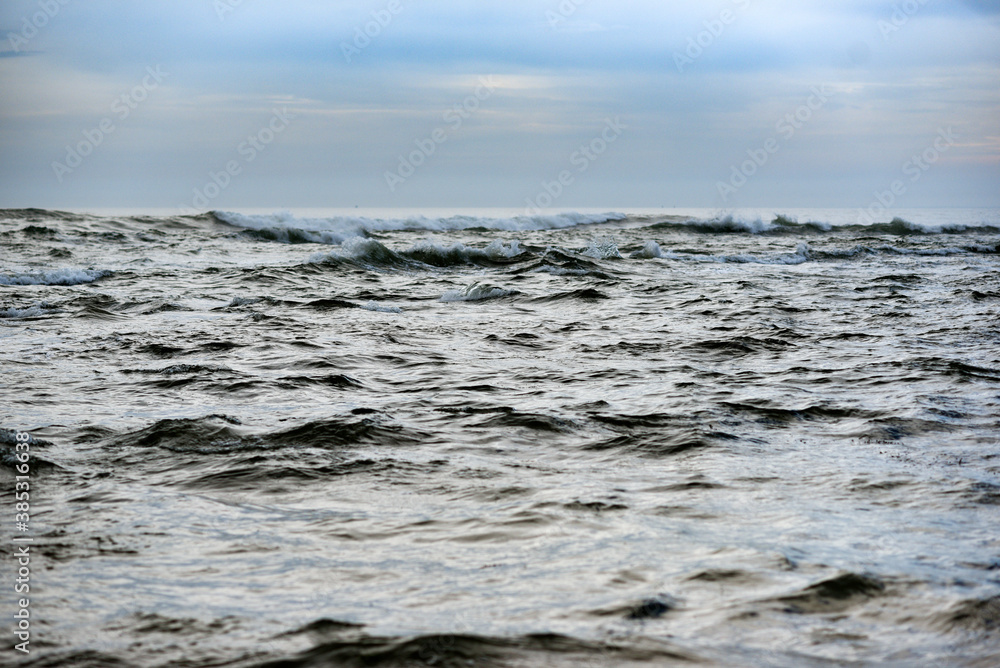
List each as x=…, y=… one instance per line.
x=36, y=310
x=320, y=441
x=476, y=292
x=55, y=277
x=365, y=252
x=288, y=228
x=782, y=225
x=426, y=254
x=373, y=305
x=652, y=250
x=603, y=248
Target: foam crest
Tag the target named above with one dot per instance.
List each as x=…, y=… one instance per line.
x=432, y=253
x=746, y=223
x=735, y=223
x=501, y=250
x=476, y=292
x=30, y=312
x=902, y=228
x=603, y=248
x=287, y=228
x=652, y=250
x=887, y=249
x=649, y=251
x=783, y=225
x=421, y=255
x=378, y=308
x=244, y=301
x=55, y=277
x=364, y=251
x=800, y=256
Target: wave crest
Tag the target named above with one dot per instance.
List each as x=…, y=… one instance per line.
x=63, y=277
x=287, y=228
x=785, y=225
x=477, y=292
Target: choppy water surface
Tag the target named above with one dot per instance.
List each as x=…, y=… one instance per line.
x=563, y=440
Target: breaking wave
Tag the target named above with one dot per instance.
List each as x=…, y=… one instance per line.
x=652, y=250
x=425, y=254
x=477, y=292
x=55, y=277
x=288, y=228
x=781, y=225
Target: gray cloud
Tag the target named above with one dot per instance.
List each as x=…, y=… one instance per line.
x=895, y=86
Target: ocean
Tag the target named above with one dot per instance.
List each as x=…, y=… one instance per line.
x=487, y=438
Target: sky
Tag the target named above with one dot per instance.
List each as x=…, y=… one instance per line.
x=561, y=104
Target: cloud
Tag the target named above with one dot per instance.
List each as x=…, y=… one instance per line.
x=748, y=67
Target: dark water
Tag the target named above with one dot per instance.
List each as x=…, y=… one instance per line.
x=570, y=440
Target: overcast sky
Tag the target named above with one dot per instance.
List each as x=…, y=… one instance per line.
x=633, y=104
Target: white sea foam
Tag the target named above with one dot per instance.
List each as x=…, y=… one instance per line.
x=334, y=230
x=36, y=310
x=426, y=251
x=500, y=249
x=652, y=250
x=55, y=277
x=375, y=306
x=603, y=248
x=30, y=312
x=737, y=223
x=476, y=292
x=649, y=251
x=360, y=249
x=244, y=301
x=288, y=228
x=800, y=256
x=935, y=252
x=886, y=249
x=560, y=271
x=753, y=223
x=430, y=251
x=920, y=222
